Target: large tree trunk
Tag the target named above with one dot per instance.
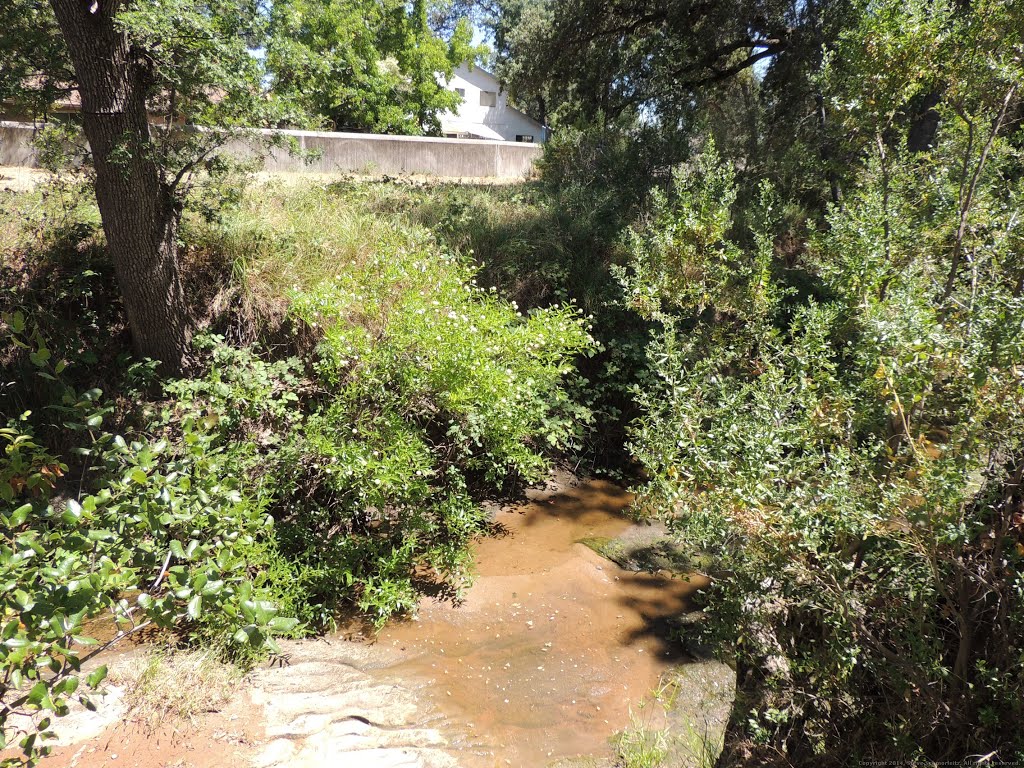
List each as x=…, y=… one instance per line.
x=138, y=207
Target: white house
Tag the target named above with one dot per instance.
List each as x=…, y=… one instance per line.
x=485, y=113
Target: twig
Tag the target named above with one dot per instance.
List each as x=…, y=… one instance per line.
x=163, y=571
x=968, y=201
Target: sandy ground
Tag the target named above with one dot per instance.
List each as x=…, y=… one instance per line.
x=217, y=740
x=15, y=179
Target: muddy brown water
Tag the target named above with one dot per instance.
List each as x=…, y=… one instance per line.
x=553, y=647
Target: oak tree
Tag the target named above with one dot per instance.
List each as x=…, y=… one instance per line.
x=365, y=65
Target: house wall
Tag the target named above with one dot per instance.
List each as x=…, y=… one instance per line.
x=350, y=153
x=507, y=121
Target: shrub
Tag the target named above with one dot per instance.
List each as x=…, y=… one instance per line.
x=541, y=249
x=338, y=462
x=151, y=535
x=420, y=391
x=853, y=465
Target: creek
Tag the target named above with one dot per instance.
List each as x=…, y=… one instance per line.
x=554, y=647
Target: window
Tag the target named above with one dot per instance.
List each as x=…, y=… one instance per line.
x=461, y=92
x=488, y=98
x=524, y=137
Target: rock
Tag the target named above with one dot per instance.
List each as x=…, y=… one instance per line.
x=644, y=548
x=81, y=724
x=330, y=705
x=697, y=696
x=698, y=706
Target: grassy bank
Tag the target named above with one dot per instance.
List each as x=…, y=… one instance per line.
x=542, y=244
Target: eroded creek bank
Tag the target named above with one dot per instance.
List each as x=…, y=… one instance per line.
x=552, y=652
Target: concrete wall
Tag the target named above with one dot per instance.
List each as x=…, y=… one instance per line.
x=16, y=145
x=351, y=153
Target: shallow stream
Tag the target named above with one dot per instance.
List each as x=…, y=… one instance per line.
x=554, y=647
x=553, y=651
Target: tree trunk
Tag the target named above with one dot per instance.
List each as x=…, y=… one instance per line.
x=138, y=207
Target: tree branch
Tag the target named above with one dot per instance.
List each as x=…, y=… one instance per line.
x=965, y=206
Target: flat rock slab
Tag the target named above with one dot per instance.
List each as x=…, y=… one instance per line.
x=645, y=547
x=80, y=724
x=700, y=699
x=330, y=704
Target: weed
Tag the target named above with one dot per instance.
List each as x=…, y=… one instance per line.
x=640, y=745
x=646, y=743
x=163, y=687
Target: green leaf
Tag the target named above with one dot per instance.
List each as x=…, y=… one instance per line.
x=28, y=743
x=39, y=357
x=283, y=624
x=37, y=695
x=213, y=588
x=244, y=591
x=17, y=321
x=72, y=513
x=195, y=607
x=247, y=635
x=20, y=515
x=96, y=677
x=24, y=600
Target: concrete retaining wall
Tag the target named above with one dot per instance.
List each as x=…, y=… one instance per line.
x=350, y=153
x=16, y=145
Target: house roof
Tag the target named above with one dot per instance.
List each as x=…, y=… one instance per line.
x=478, y=68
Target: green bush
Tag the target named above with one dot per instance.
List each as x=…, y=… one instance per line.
x=339, y=462
x=417, y=392
x=852, y=465
x=153, y=533
x=541, y=249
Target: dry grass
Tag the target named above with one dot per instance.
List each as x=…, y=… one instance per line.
x=175, y=686
x=406, y=179
x=286, y=239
